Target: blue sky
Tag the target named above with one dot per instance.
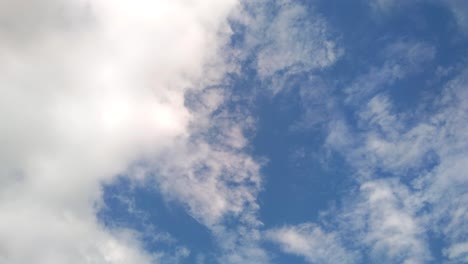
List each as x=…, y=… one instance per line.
x=234, y=132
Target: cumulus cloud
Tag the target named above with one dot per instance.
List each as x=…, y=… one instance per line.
x=91, y=87
x=87, y=89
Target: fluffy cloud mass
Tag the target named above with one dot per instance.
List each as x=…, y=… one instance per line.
x=88, y=88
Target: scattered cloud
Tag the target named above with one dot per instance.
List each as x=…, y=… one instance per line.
x=295, y=39
x=403, y=195
x=385, y=223
x=93, y=90
x=401, y=59
x=285, y=38
x=459, y=9
x=311, y=242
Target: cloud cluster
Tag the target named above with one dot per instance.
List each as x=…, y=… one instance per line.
x=408, y=167
x=91, y=87
x=284, y=38
x=295, y=39
x=311, y=242
x=87, y=89
x=95, y=89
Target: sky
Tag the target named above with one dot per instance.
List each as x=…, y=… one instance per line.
x=232, y=131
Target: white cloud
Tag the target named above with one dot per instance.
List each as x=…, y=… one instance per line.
x=410, y=166
x=445, y=186
x=218, y=184
x=404, y=195
x=458, y=251
x=401, y=59
x=240, y=245
x=212, y=182
x=311, y=242
x=385, y=218
x=285, y=38
x=88, y=88
x=294, y=38
x=459, y=9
